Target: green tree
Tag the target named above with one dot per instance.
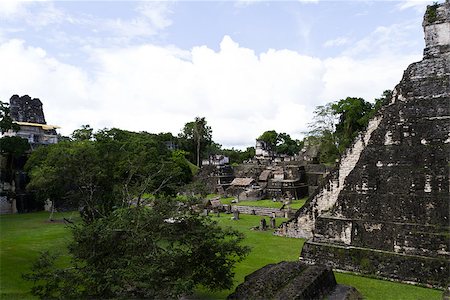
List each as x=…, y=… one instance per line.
x=336, y=124
x=83, y=134
x=158, y=252
x=271, y=139
x=6, y=122
x=353, y=114
x=287, y=145
x=281, y=143
x=112, y=170
x=197, y=135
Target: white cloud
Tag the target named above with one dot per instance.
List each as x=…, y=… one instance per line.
x=35, y=14
x=153, y=17
x=11, y=8
x=147, y=87
x=337, y=42
x=418, y=5
x=387, y=40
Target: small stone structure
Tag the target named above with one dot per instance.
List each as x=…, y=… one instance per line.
x=293, y=280
x=385, y=210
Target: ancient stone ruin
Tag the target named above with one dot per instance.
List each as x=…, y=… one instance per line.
x=293, y=280
x=385, y=210
x=26, y=109
x=29, y=115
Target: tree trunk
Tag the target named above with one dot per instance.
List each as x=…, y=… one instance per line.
x=198, y=152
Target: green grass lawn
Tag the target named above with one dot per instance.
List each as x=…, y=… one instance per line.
x=266, y=249
x=296, y=204
x=23, y=236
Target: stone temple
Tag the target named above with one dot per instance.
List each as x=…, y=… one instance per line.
x=385, y=210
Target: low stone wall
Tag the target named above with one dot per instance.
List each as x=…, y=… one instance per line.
x=263, y=211
x=382, y=264
x=7, y=207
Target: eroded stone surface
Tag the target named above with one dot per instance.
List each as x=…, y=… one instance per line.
x=26, y=109
x=293, y=280
x=386, y=211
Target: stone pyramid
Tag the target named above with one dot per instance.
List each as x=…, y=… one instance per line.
x=385, y=210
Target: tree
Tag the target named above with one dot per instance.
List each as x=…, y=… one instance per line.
x=287, y=145
x=353, y=116
x=271, y=139
x=337, y=124
x=83, y=134
x=158, y=252
x=281, y=143
x=197, y=135
x=126, y=247
x=113, y=169
x=6, y=122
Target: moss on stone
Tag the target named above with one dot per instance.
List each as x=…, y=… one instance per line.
x=431, y=13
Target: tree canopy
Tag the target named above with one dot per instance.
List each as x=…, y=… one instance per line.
x=158, y=252
x=6, y=122
x=128, y=245
x=113, y=169
x=337, y=124
x=281, y=143
x=195, y=138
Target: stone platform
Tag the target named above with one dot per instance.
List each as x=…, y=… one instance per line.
x=293, y=280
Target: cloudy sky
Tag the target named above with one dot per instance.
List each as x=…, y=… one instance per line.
x=247, y=66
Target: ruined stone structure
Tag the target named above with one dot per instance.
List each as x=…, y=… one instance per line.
x=280, y=180
x=26, y=109
x=29, y=115
x=385, y=210
x=293, y=280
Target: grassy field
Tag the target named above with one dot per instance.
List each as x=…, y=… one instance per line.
x=296, y=204
x=23, y=236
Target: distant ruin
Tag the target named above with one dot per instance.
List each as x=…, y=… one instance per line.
x=385, y=210
x=267, y=175
x=26, y=109
x=28, y=113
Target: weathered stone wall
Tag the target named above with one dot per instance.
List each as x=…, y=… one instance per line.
x=386, y=210
x=263, y=211
x=405, y=268
x=25, y=109
x=293, y=280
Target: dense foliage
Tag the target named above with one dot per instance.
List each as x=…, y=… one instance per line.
x=158, y=252
x=112, y=169
x=127, y=245
x=280, y=143
x=337, y=124
x=195, y=138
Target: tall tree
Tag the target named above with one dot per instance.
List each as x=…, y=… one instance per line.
x=281, y=143
x=353, y=114
x=336, y=124
x=6, y=122
x=271, y=139
x=197, y=136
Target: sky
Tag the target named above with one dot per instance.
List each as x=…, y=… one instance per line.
x=246, y=66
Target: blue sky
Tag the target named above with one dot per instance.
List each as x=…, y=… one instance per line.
x=247, y=66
